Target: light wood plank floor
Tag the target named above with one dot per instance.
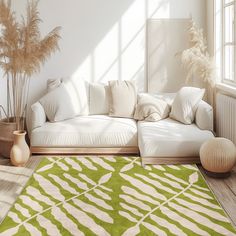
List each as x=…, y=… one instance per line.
x=225, y=191
x=13, y=179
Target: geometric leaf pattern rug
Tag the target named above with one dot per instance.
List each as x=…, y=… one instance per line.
x=115, y=196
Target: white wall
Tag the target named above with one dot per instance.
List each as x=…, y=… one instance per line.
x=102, y=40
x=210, y=26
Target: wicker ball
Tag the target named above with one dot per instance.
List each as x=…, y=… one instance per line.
x=218, y=155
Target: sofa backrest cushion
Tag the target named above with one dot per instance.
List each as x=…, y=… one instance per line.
x=123, y=98
x=150, y=108
x=68, y=100
x=99, y=97
x=185, y=104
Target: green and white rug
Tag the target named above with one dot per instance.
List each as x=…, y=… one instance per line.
x=115, y=196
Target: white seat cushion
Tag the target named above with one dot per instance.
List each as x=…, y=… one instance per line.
x=87, y=131
x=170, y=138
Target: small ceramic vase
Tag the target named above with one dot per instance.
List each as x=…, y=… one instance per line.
x=20, y=152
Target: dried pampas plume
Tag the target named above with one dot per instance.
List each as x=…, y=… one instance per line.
x=22, y=52
x=196, y=59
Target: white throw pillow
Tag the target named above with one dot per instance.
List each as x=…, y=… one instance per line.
x=150, y=108
x=185, y=104
x=79, y=91
x=66, y=101
x=98, y=99
x=123, y=98
x=204, y=116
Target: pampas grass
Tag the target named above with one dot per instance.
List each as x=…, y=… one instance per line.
x=22, y=53
x=196, y=60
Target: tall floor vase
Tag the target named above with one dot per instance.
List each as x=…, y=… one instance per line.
x=20, y=152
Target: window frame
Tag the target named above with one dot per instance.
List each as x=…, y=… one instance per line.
x=224, y=44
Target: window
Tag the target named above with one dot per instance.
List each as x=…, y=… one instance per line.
x=225, y=40
x=228, y=41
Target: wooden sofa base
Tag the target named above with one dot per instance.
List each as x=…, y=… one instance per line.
x=114, y=151
x=170, y=160
x=80, y=151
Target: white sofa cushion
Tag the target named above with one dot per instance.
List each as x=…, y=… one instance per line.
x=123, y=98
x=98, y=99
x=170, y=138
x=150, y=108
x=66, y=101
x=79, y=94
x=204, y=116
x=57, y=104
x=87, y=131
x=185, y=104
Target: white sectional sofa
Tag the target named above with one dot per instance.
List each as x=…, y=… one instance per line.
x=162, y=142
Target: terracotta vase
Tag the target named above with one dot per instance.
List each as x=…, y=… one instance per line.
x=20, y=152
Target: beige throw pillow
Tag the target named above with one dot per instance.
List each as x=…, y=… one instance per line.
x=98, y=99
x=123, y=98
x=185, y=104
x=150, y=108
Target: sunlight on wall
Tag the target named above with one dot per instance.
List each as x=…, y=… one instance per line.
x=106, y=57
x=101, y=40
x=158, y=8
x=85, y=69
x=132, y=43
x=121, y=53
x=132, y=22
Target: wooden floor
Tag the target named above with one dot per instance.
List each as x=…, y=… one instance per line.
x=225, y=191
x=13, y=179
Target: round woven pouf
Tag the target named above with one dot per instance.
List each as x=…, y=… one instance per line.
x=218, y=157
